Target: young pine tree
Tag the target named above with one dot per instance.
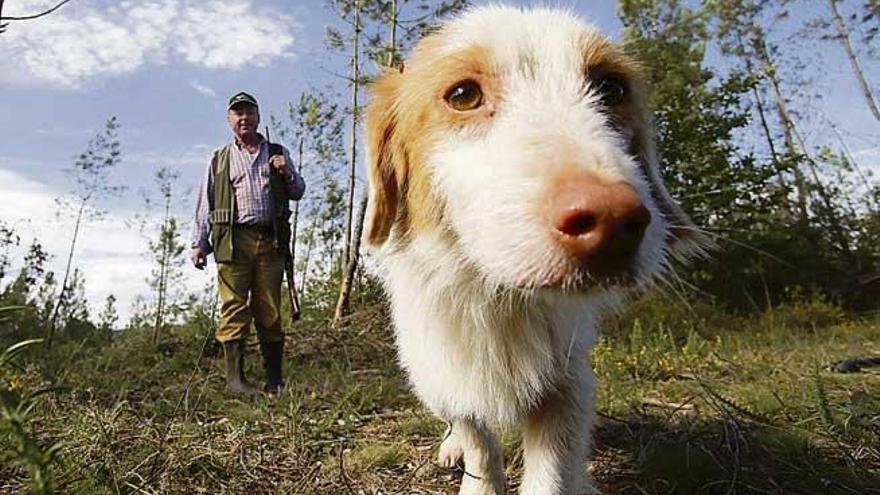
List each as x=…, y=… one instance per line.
x=90, y=175
x=167, y=251
x=109, y=317
x=8, y=240
x=315, y=132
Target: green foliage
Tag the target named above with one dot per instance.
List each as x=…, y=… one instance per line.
x=411, y=20
x=821, y=398
x=658, y=353
x=779, y=231
x=73, y=304
x=166, y=250
x=321, y=224
x=695, y=120
x=804, y=312
x=8, y=240
x=321, y=292
x=24, y=290
x=316, y=128
x=315, y=135
x=90, y=175
x=16, y=407
x=109, y=317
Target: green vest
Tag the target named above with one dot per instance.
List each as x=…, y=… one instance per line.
x=222, y=209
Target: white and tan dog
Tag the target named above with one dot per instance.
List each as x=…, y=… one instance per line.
x=514, y=197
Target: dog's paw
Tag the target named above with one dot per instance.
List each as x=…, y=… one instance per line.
x=451, y=452
x=474, y=486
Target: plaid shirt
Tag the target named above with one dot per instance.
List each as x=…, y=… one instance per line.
x=249, y=174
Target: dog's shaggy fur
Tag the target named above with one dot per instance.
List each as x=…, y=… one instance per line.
x=494, y=318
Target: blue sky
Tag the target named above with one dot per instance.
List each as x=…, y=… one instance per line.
x=165, y=68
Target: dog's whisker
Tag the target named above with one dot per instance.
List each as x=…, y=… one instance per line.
x=675, y=291
x=741, y=244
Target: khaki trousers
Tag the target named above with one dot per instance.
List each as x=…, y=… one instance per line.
x=250, y=287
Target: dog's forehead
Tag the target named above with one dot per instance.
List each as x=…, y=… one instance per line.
x=514, y=37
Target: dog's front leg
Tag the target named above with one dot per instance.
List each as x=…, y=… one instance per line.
x=483, y=459
x=556, y=441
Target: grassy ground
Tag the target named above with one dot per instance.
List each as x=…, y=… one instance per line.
x=690, y=401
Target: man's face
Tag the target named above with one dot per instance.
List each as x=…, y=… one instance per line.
x=243, y=120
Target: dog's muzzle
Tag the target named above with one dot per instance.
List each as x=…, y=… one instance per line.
x=600, y=224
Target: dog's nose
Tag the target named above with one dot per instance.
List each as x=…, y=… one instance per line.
x=600, y=223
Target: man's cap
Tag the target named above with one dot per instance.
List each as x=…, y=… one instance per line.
x=241, y=97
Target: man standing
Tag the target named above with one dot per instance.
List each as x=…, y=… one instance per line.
x=242, y=211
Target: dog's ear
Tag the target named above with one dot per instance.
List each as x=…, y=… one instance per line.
x=381, y=158
x=687, y=239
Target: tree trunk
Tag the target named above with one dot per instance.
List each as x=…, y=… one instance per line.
x=349, y=253
x=295, y=222
x=843, y=36
x=159, y=320
x=393, y=41
x=759, y=103
x=351, y=267
x=769, y=70
x=355, y=86
x=796, y=144
x=872, y=203
x=50, y=332
x=780, y=173
x=354, y=243
x=163, y=273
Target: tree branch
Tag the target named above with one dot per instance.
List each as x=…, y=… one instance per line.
x=30, y=17
x=843, y=36
x=2, y=26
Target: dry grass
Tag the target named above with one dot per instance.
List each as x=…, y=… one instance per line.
x=689, y=404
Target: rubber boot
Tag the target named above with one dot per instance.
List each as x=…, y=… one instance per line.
x=236, y=385
x=273, y=355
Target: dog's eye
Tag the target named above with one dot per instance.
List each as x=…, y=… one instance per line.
x=612, y=90
x=464, y=96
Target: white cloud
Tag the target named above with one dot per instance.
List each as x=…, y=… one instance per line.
x=90, y=39
x=204, y=90
x=229, y=34
x=109, y=253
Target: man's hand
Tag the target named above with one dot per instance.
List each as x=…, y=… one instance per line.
x=279, y=163
x=199, y=258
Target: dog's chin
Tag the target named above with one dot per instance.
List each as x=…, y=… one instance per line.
x=581, y=281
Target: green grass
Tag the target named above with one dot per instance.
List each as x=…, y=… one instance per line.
x=690, y=400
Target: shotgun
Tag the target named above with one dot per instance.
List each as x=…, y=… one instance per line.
x=281, y=226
